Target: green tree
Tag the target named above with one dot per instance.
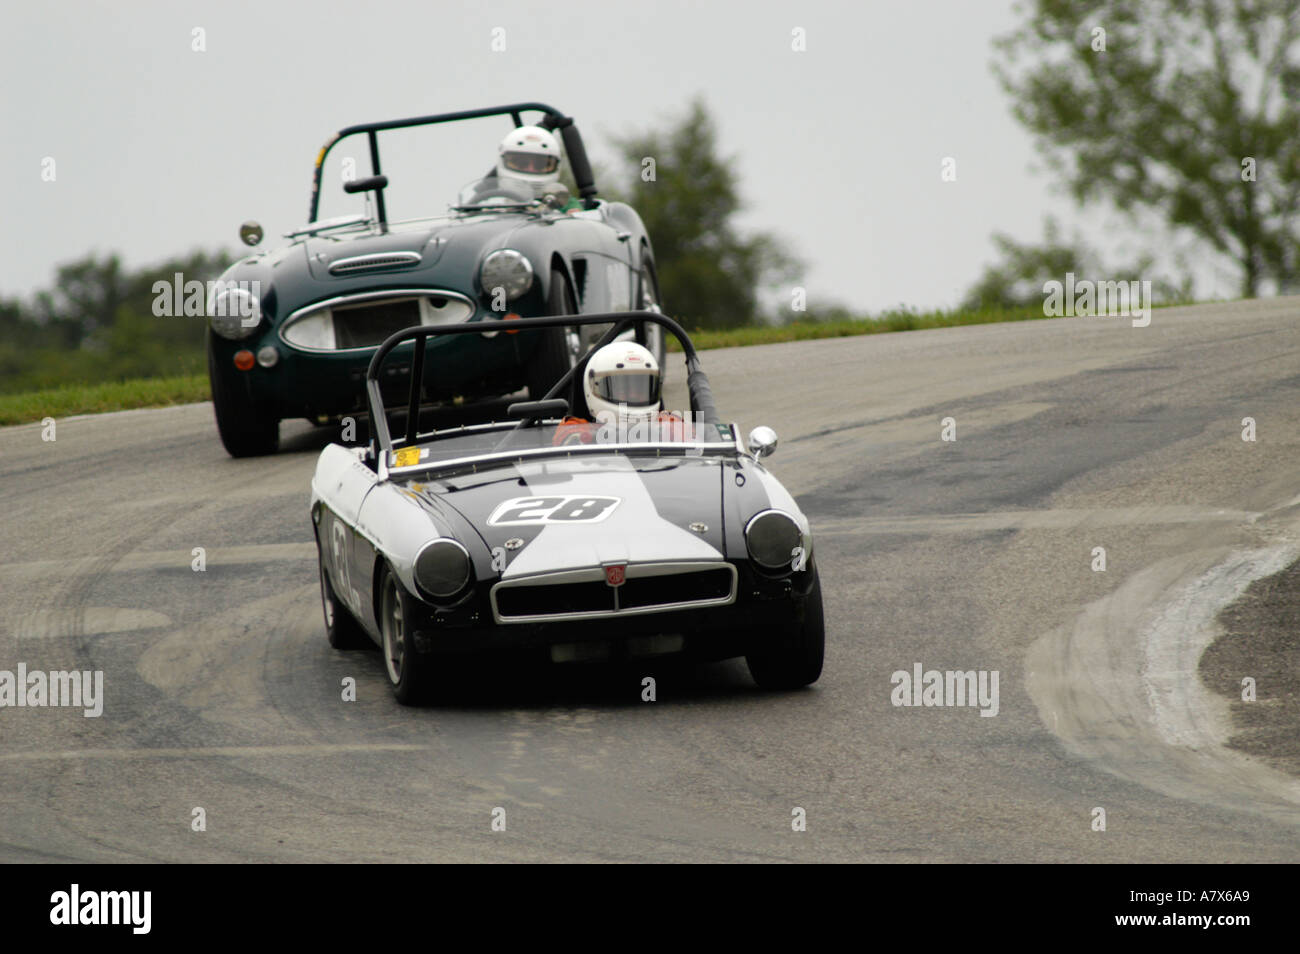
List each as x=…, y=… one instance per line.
x=710, y=274
x=1184, y=107
x=84, y=299
x=1016, y=280
x=97, y=323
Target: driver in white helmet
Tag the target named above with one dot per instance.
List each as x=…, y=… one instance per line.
x=622, y=384
x=531, y=155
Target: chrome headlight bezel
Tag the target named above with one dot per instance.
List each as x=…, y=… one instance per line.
x=771, y=537
x=234, y=313
x=442, y=569
x=507, y=269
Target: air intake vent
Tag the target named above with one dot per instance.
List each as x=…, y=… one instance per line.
x=646, y=588
x=382, y=262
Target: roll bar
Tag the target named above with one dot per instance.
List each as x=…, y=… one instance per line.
x=697, y=382
x=574, y=150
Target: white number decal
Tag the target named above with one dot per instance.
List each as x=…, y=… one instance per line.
x=342, y=569
x=543, y=510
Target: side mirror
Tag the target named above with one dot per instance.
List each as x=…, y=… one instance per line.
x=375, y=185
x=762, y=442
x=250, y=233
x=556, y=195
x=368, y=184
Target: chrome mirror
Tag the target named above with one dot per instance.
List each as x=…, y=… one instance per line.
x=762, y=442
x=250, y=233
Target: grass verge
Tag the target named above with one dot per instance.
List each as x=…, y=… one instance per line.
x=96, y=398
x=846, y=327
x=160, y=392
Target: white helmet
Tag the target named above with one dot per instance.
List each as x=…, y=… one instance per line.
x=529, y=154
x=622, y=380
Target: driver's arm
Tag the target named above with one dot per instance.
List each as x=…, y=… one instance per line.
x=573, y=430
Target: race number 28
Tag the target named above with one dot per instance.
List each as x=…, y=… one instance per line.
x=542, y=510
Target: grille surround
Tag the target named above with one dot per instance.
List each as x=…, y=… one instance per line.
x=699, y=584
x=290, y=334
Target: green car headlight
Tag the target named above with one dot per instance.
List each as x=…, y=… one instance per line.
x=234, y=313
x=508, y=270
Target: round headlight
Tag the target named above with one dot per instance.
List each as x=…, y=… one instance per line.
x=442, y=568
x=772, y=537
x=506, y=269
x=234, y=313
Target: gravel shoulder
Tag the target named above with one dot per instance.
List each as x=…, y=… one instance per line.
x=1261, y=642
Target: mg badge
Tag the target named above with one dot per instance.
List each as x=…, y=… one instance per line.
x=614, y=575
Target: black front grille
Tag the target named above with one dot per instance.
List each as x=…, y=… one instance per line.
x=596, y=596
x=364, y=326
x=555, y=599
x=675, y=588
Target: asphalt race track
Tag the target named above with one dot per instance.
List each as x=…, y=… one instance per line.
x=220, y=691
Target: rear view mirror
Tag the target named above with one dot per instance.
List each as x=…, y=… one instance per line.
x=537, y=410
x=250, y=233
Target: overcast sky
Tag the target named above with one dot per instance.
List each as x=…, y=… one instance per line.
x=159, y=149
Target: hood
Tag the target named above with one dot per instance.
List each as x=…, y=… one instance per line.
x=572, y=513
x=429, y=239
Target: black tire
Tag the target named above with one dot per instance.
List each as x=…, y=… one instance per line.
x=792, y=658
x=341, y=627
x=245, y=429
x=408, y=671
x=647, y=299
x=554, y=355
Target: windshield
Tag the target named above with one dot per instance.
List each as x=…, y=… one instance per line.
x=508, y=439
x=492, y=191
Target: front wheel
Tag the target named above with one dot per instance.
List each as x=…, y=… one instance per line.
x=791, y=658
x=651, y=336
x=245, y=429
x=558, y=348
x=407, y=671
x=341, y=629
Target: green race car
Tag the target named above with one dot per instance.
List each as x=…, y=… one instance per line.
x=292, y=330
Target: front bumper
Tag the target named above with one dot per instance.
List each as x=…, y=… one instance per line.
x=708, y=633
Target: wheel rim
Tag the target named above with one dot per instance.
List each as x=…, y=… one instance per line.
x=394, y=633
x=654, y=340
x=573, y=342
x=326, y=599
x=650, y=302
